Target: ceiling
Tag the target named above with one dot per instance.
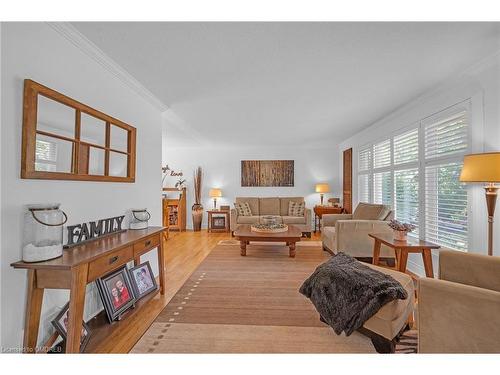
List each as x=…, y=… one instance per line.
x=287, y=84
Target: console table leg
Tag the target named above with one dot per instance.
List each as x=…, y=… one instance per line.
x=403, y=260
x=292, y=250
x=376, y=252
x=427, y=258
x=243, y=248
x=162, y=267
x=76, y=305
x=34, y=301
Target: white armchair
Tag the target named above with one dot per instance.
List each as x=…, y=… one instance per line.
x=348, y=233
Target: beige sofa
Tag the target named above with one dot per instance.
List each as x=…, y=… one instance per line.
x=460, y=312
x=349, y=232
x=277, y=206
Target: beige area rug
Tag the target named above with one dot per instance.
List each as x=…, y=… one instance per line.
x=235, y=304
x=298, y=244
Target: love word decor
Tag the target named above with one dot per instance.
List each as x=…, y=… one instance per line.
x=84, y=232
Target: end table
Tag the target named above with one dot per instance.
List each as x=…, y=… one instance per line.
x=218, y=220
x=319, y=211
x=402, y=249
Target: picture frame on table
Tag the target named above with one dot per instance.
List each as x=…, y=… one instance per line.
x=116, y=292
x=143, y=280
x=60, y=323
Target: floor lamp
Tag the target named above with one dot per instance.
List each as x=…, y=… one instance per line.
x=484, y=168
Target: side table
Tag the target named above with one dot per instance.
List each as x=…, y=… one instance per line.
x=402, y=249
x=218, y=221
x=319, y=211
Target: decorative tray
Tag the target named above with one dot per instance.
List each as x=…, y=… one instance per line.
x=269, y=228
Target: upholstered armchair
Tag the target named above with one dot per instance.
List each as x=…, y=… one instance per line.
x=460, y=312
x=348, y=233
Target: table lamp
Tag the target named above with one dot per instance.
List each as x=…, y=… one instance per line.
x=215, y=193
x=484, y=168
x=321, y=189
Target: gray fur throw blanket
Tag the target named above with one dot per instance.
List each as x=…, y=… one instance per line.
x=347, y=293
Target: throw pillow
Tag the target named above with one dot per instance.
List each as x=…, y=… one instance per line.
x=296, y=208
x=243, y=209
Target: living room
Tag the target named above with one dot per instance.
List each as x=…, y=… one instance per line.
x=250, y=188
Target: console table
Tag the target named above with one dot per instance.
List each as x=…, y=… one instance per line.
x=79, y=266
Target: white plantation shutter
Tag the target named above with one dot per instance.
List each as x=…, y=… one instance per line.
x=447, y=137
x=364, y=159
x=382, y=154
x=446, y=200
x=364, y=188
x=406, y=196
x=382, y=188
x=406, y=147
x=446, y=206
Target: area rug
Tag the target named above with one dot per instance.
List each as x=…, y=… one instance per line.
x=235, y=304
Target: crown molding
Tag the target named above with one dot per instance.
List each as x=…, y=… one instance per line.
x=90, y=49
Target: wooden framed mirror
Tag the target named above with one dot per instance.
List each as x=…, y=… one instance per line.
x=64, y=139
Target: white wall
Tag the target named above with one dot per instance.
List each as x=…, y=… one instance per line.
x=481, y=84
x=37, y=51
x=221, y=167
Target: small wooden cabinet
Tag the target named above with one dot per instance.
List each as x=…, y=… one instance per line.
x=218, y=221
x=174, y=210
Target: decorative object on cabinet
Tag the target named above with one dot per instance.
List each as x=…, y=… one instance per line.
x=174, y=209
x=84, y=232
x=143, y=280
x=60, y=323
x=218, y=221
x=139, y=218
x=322, y=189
x=215, y=193
x=225, y=208
x=484, y=168
x=64, y=139
x=335, y=202
x=197, y=208
x=319, y=211
x=116, y=293
x=43, y=232
x=267, y=173
x=79, y=266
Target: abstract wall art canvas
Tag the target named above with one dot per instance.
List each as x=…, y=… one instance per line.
x=267, y=173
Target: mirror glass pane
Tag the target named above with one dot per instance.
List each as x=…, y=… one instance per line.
x=92, y=130
x=96, y=161
x=56, y=118
x=118, y=139
x=53, y=154
x=117, y=164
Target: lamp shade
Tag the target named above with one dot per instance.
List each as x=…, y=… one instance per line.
x=322, y=188
x=215, y=193
x=481, y=168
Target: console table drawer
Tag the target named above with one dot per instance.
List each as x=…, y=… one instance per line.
x=146, y=244
x=108, y=263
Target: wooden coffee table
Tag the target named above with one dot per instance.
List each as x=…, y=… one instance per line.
x=244, y=234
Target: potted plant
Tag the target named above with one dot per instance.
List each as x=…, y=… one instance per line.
x=197, y=208
x=401, y=229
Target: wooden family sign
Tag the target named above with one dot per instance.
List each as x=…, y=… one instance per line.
x=89, y=231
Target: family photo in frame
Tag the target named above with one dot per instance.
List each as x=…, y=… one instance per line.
x=60, y=323
x=116, y=293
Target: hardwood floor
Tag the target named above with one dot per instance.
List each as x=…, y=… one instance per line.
x=184, y=252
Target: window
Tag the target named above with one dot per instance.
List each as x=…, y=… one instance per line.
x=45, y=155
x=417, y=173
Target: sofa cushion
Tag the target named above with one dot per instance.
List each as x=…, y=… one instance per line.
x=248, y=219
x=296, y=209
x=284, y=204
x=269, y=206
x=243, y=208
x=367, y=211
x=294, y=219
x=252, y=202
